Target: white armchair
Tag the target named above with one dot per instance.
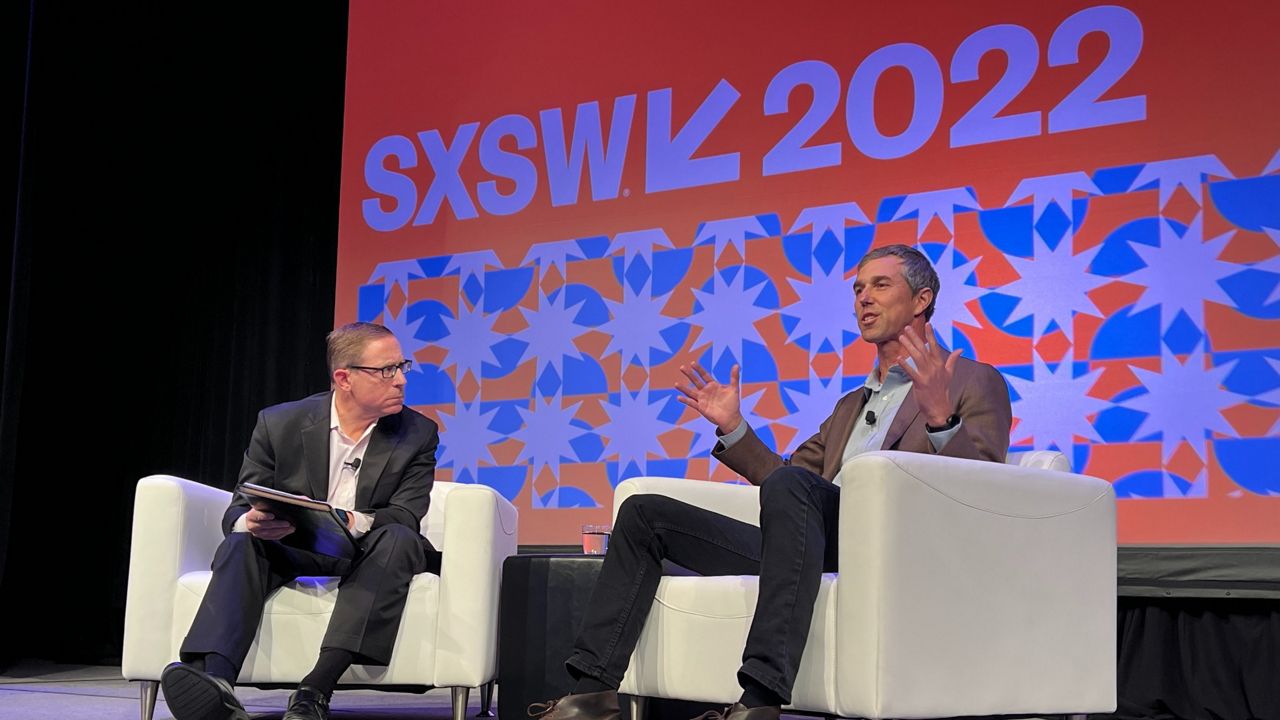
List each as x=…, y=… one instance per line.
x=448, y=634
x=965, y=588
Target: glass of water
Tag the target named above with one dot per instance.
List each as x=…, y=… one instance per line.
x=595, y=539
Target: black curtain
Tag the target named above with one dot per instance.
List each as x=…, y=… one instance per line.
x=13, y=260
x=170, y=271
x=1198, y=658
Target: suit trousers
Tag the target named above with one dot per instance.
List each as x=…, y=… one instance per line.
x=366, y=614
x=794, y=545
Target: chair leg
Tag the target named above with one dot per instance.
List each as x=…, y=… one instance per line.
x=460, y=697
x=486, y=699
x=147, y=690
x=639, y=705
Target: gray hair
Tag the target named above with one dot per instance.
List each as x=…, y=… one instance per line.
x=916, y=270
x=345, y=346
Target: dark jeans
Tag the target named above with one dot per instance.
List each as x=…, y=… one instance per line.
x=795, y=543
x=366, y=615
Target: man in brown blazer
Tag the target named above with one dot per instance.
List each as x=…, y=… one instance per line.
x=917, y=399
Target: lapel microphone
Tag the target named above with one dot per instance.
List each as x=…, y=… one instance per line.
x=871, y=417
x=354, y=464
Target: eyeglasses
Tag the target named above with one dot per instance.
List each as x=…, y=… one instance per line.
x=389, y=371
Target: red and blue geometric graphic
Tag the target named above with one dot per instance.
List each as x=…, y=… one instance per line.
x=1098, y=187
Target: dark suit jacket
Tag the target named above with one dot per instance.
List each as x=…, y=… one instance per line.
x=982, y=401
x=289, y=451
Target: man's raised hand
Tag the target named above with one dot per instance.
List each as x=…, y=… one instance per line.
x=715, y=401
x=930, y=371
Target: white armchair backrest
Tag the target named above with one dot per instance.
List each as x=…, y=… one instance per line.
x=1039, y=459
x=740, y=502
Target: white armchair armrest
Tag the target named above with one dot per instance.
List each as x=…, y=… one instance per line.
x=993, y=487
x=176, y=529
x=479, y=534
x=978, y=581
x=740, y=502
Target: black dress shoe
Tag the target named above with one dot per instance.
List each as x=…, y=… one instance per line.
x=192, y=694
x=307, y=704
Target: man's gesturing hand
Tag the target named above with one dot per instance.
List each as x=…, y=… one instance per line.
x=714, y=401
x=262, y=524
x=931, y=375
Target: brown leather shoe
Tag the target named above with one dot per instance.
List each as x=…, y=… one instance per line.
x=738, y=711
x=601, y=705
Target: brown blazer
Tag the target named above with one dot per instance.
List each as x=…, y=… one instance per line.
x=982, y=401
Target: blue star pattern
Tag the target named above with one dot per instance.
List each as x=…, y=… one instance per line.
x=1128, y=307
x=635, y=424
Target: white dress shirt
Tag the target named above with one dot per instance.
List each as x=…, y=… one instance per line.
x=342, y=477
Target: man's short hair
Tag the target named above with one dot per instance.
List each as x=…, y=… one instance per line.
x=345, y=346
x=916, y=269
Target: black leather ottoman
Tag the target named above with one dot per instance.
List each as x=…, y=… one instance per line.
x=541, y=606
x=540, y=609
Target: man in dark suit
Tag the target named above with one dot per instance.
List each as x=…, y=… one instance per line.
x=362, y=450
x=918, y=399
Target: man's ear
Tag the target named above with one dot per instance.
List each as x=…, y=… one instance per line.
x=342, y=379
x=921, y=301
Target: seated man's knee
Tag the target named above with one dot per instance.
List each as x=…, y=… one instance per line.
x=240, y=542
x=235, y=546
x=630, y=514
x=392, y=533
x=784, y=484
x=638, y=511
x=394, y=542
x=786, y=478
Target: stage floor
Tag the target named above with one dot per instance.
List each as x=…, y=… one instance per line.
x=36, y=691
x=45, y=691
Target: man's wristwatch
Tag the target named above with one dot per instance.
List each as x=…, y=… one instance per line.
x=952, y=421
